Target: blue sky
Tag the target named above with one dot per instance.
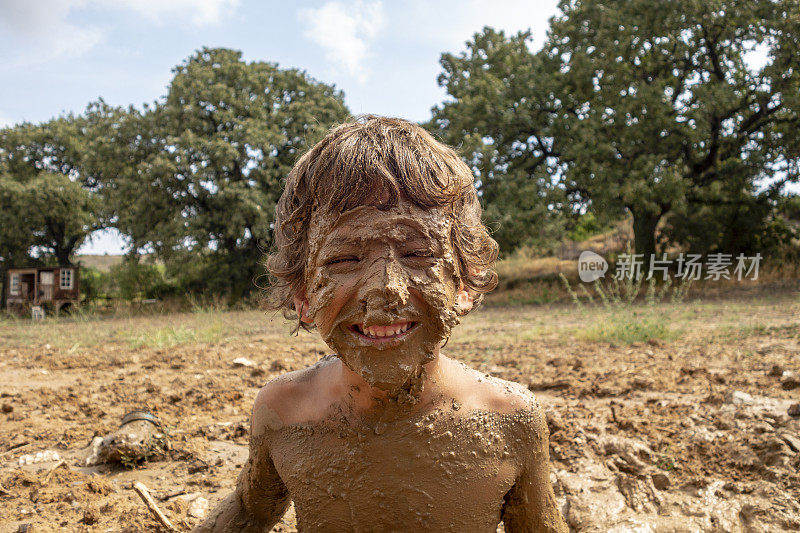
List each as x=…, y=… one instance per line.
x=58, y=55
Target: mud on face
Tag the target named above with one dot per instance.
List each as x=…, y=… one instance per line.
x=377, y=159
x=381, y=288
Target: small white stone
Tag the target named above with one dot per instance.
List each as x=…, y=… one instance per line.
x=199, y=507
x=739, y=398
x=243, y=361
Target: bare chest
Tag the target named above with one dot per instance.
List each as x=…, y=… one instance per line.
x=436, y=475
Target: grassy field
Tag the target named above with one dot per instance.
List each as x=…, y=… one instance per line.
x=617, y=323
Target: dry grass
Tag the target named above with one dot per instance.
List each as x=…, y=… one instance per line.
x=736, y=315
x=156, y=331
x=525, y=278
x=103, y=263
x=563, y=323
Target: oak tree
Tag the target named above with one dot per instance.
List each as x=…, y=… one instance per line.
x=212, y=159
x=657, y=109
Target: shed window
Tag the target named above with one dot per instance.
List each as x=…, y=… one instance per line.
x=15, y=284
x=66, y=278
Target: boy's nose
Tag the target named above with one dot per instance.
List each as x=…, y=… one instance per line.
x=385, y=286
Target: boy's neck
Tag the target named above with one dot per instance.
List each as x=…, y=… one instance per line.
x=370, y=397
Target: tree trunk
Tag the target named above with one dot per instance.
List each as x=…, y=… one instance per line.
x=63, y=251
x=63, y=256
x=644, y=234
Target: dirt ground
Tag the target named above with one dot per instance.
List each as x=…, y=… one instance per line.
x=682, y=424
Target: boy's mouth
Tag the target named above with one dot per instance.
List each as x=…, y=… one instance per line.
x=383, y=333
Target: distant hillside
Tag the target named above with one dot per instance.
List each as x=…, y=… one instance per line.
x=102, y=263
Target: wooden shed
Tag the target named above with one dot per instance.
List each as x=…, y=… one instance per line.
x=56, y=288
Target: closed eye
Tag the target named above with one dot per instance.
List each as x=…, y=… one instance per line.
x=419, y=253
x=340, y=260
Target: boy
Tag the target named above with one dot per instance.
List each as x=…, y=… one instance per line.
x=380, y=247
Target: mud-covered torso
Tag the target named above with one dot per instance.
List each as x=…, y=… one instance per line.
x=446, y=470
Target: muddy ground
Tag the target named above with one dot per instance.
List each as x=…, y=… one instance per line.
x=687, y=430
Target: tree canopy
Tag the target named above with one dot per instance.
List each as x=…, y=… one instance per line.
x=192, y=178
x=500, y=118
x=210, y=160
x=50, y=203
x=651, y=109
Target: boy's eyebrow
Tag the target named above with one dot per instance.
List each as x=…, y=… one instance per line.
x=410, y=236
x=340, y=240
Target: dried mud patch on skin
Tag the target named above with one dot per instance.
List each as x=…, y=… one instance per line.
x=711, y=463
x=406, y=468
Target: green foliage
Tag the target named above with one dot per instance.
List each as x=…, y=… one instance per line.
x=94, y=284
x=619, y=294
x=587, y=226
x=47, y=213
x=629, y=326
x=660, y=113
x=227, y=133
x=132, y=280
x=193, y=178
x=628, y=321
x=496, y=118
x=65, y=214
x=50, y=205
x=635, y=107
x=16, y=227
x=169, y=336
x=789, y=208
x=754, y=224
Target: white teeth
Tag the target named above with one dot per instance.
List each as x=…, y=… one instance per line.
x=384, y=331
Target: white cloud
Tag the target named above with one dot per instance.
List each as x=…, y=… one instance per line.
x=105, y=241
x=345, y=32
x=450, y=23
x=35, y=18
x=42, y=30
x=199, y=12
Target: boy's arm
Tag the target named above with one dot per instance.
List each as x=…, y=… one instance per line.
x=530, y=505
x=256, y=505
x=260, y=498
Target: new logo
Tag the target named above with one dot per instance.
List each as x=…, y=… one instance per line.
x=591, y=266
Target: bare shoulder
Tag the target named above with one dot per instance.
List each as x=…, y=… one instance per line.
x=481, y=392
x=291, y=398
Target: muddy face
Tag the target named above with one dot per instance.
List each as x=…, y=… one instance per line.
x=381, y=289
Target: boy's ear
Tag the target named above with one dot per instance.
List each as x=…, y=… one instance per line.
x=301, y=306
x=464, y=301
